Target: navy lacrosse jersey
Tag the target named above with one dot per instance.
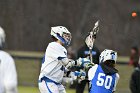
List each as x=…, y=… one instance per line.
x=101, y=82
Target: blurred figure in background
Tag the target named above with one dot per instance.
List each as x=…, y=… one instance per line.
x=71, y=53
x=8, y=75
x=84, y=52
x=135, y=80
x=134, y=56
x=135, y=77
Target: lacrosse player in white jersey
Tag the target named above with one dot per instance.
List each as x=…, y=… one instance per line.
x=8, y=75
x=55, y=61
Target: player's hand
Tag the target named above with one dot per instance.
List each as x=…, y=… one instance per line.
x=78, y=75
x=89, y=65
x=82, y=75
x=83, y=62
x=70, y=63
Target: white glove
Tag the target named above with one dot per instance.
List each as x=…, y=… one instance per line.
x=83, y=62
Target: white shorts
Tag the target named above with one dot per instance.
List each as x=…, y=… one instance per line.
x=51, y=87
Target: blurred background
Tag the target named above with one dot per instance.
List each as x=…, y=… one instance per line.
x=27, y=25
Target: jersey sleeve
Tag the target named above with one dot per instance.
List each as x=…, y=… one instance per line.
x=91, y=72
x=116, y=81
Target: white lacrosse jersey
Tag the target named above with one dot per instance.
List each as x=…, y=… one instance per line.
x=8, y=75
x=52, y=66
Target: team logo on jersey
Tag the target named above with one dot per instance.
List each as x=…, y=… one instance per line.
x=87, y=53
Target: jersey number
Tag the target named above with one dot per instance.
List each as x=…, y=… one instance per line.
x=101, y=82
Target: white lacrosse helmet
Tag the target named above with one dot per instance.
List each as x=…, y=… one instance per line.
x=2, y=37
x=61, y=33
x=107, y=55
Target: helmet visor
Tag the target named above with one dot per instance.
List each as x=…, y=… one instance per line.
x=67, y=37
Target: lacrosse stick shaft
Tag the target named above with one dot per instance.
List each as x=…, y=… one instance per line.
x=90, y=52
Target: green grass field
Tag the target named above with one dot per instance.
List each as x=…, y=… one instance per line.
x=23, y=89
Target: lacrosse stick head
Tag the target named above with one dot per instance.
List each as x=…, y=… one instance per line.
x=90, y=39
x=95, y=29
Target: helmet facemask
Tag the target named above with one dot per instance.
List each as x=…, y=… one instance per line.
x=67, y=38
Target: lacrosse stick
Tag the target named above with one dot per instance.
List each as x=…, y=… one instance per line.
x=90, y=39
